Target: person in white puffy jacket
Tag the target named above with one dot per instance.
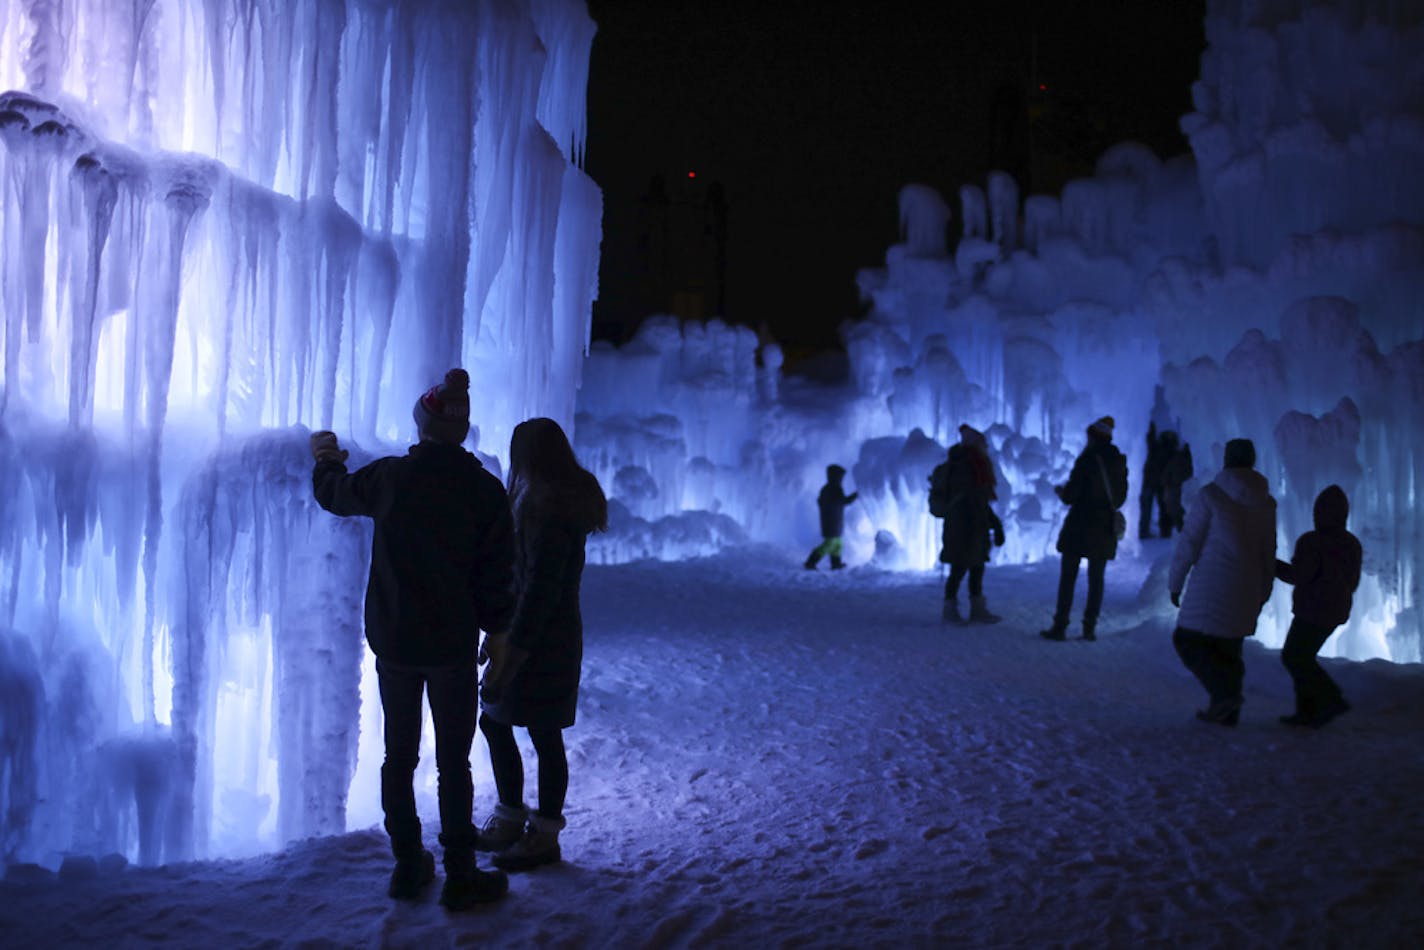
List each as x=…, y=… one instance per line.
x=1228, y=546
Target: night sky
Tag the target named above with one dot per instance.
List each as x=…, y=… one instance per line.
x=811, y=114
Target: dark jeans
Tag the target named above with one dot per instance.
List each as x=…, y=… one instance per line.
x=1215, y=661
x=508, y=767
x=956, y=575
x=1314, y=689
x=453, y=692
x=1144, y=512
x=1068, y=579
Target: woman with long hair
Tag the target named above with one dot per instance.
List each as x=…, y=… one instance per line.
x=533, y=675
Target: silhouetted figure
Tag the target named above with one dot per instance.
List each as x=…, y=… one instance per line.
x=1096, y=488
x=1325, y=569
x=441, y=562
x=1158, y=452
x=961, y=488
x=832, y=503
x=533, y=675
x=1229, y=546
x=1176, y=472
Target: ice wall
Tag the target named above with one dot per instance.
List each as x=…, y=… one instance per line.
x=1271, y=284
x=225, y=223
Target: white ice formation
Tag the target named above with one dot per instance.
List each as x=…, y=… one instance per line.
x=226, y=223
x=1270, y=283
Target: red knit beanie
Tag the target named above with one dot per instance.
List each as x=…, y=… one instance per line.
x=443, y=412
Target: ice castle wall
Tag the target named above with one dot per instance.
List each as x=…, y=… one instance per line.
x=225, y=223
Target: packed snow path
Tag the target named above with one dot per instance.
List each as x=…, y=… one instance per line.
x=766, y=756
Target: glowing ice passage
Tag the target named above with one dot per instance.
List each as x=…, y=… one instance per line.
x=225, y=222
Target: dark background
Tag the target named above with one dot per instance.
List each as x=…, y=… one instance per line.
x=810, y=116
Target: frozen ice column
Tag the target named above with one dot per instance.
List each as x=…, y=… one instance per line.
x=226, y=222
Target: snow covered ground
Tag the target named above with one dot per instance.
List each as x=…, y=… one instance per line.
x=769, y=757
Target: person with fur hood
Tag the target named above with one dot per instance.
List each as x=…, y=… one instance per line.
x=962, y=486
x=1228, y=546
x=1096, y=489
x=533, y=675
x=1325, y=569
x=441, y=562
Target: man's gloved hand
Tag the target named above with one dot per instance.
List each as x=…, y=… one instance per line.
x=998, y=536
x=1177, y=599
x=325, y=448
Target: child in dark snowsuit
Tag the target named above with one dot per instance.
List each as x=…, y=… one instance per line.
x=832, y=501
x=1325, y=569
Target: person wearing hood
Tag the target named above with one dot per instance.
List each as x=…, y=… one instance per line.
x=533, y=675
x=831, y=503
x=1228, y=546
x=1096, y=489
x=442, y=558
x=962, y=486
x=1325, y=569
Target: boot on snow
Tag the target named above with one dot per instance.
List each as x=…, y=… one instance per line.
x=950, y=613
x=501, y=829
x=836, y=562
x=1059, y=630
x=979, y=611
x=411, y=875
x=538, y=846
x=812, y=561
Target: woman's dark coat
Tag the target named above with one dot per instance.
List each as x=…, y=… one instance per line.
x=970, y=522
x=1088, y=529
x=551, y=524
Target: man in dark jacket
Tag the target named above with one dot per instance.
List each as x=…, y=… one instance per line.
x=441, y=563
x=1158, y=452
x=1325, y=569
x=832, y=503
x=1096, y=488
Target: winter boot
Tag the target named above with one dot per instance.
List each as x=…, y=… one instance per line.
x=1059, y=630
x=1222, y=712
x=836, y=562
x=950, y=613
x=472, y=886
x=812, y=561
x=502, y=828
x=465, y=884
x=540, y=845
x=979, y=611
x=411, y=875
x=1090, y=629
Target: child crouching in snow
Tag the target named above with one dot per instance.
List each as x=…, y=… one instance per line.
x=832, y=501
x=1325, y=569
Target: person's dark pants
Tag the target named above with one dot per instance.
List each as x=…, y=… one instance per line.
x=453, y=695
x=1215, y=661
x=1068, y=579
x=508, y=767
x=1314, y=689
x=1144, y=512
x=956, y=577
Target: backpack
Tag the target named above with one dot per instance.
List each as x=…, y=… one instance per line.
x=940, y=500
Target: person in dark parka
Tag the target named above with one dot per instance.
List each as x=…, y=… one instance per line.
x=1096, y=488
x=1176, y=472
x=831, y=502
x=441, y=566
x=1158, y=452
x=533, y=675
x=964, y=484
x=1325, y=569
